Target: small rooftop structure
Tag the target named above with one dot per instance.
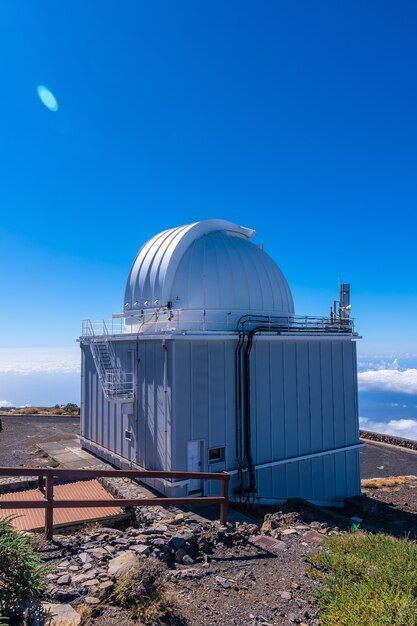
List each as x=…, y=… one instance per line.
x=208, y=367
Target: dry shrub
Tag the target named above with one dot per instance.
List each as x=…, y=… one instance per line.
x=68, y=409
x=389, y=481
x=91, y=527
x=86, y=613
x=142, y=590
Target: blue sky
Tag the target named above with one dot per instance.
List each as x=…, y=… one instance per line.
x=297, y=119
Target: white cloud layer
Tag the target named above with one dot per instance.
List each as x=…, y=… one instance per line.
x=377, y=363
x=398, y=428
x=26, y=361
x=4, y=404
x=394, y=380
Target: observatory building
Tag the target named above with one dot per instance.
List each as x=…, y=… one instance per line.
x=207, y=368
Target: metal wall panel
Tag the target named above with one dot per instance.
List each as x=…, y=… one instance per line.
x=260, y=384
x=338, y=394
x=316, y=421
x=303, y=400
x=326, y=366
x=102, y=421
x=182, y=423
x=216, y=395
x=199, y=391
x=290, y=401
x=152, y=440
x=203, y=400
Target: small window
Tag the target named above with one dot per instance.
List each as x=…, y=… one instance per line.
x=216, y=455
x=128, y=434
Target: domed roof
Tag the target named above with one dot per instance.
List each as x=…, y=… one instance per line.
x=210, y=265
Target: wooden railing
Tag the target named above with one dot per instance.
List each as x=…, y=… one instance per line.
x=47, y=476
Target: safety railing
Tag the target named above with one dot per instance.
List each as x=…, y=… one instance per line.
x=47, y=476
x=163, y=320
x=91, y=328
x=118, y=383
x=297, y=323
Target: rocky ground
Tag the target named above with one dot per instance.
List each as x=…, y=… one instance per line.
x=242, y=574
x=238, y=574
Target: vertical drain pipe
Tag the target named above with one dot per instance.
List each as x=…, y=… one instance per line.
x=165, y=387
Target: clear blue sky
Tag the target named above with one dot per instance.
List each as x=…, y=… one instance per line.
x=298, y=119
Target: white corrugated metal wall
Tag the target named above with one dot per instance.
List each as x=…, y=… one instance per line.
x=303, y=401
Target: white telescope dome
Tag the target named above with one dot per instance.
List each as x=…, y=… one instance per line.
x=209, y=266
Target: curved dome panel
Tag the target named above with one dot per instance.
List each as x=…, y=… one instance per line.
x=207, y=265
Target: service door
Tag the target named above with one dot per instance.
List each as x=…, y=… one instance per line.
x=194, y=454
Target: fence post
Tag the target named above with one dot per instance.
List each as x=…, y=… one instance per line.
x=41, y=483
x=49, y=509
x=225, y=502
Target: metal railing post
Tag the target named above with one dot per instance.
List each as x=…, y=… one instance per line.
x=49, y=509
x=225, y=502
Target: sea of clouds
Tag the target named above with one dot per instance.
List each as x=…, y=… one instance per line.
x=388, y=394
x=380, y=374
x=39, y=376
x=25, y=361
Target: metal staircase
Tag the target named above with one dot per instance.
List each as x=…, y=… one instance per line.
x=117, y=385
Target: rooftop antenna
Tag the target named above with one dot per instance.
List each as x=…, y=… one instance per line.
x=344, y=301
x=341, y=312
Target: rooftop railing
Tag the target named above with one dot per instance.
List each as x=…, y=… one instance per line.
x=91, y=328
x=165, y=321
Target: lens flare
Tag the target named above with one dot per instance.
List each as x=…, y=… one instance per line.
x=47, y=98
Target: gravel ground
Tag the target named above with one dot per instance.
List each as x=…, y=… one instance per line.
x=245, y=585
x=401, y=509
x=231, y=579
x=21, y=435
x=381, y=459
